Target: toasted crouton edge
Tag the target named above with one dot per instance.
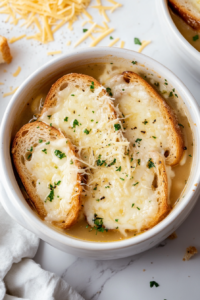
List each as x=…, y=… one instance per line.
x=24, y=175
x=5, y=50
x=177, y=137
x=185, y=14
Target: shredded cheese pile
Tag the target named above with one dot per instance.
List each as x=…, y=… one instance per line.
x=49, y=16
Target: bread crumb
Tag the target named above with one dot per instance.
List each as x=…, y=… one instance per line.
x=144, y=270
x=5, y=56
x=190, y=251
x=172, y=236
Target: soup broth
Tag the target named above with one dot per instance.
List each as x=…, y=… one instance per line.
x=191, y=35
x=103, y=73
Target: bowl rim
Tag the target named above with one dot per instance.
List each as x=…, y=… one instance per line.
x=32, y=218
x=170, y=23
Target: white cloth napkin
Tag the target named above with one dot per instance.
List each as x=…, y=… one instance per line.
x=20, y=276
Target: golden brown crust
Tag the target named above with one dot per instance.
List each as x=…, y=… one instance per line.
x=169, y=117
x=62, y=83
x=185, y=14
x=5, y=50
x=21, y=143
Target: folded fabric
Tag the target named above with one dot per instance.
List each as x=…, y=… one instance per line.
x=21, y=277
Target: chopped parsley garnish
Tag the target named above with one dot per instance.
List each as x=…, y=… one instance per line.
x=123, y=90
x=45, y=151
x=47, y=143
x=176, y=95
x=138, y=141
x=59, y=154
x=165, y=83
x=135, y=183
x=180, y=125
x=154, y=137
x=51, y=124
x=190, y=155
x=117, y=127
x=85, y=29
x=86, y=131
x=108, y=90
x=134, y=62
x=107, y=187
x=98, y=224
x=92, y=120
x=66, y=119
x=75, y=123
x=122, y=179
x=93, y=111
x=71, y=162
x=156, y=84
x=195, y=38
x=150, y=164
x=131, y=159
x=40, y=141
x=170, y=94
x=31, y=149
x=153, y=283
x=72, y=95
x=58, y=183
x=95, y=188
x=138, y=208
x=145, y=122
x=92, y=86
x=111, y=38
x=119, y=169
x=29, y=156
x=112, y=163
x=100, y=162
x=51, y=194
x=49, y=116
x=139, y=161
x=97, y=200
x=132, y=204
x=116, y=220
x=137, y=41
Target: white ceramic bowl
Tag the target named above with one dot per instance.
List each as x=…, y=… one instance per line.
x=15, y=203
x=185, y=53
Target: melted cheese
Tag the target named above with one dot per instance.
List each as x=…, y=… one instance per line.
x=144, y=124
x=48, y=169
x=122, y=184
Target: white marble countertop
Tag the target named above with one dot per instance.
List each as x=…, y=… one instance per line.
x=125, y=278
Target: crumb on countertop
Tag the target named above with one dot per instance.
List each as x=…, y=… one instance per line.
x=172, y=236
x=190, y=251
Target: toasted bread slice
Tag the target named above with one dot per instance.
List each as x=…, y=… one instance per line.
x=5, y=56
x=48, y=168
x=149, y=122
x=137, y=204
x=188, y=10
x=80, y=107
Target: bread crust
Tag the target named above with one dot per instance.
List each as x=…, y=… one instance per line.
x=20, y=142
x=162, y=183
x=190, y=18
x=169, y=116
x=61, y=83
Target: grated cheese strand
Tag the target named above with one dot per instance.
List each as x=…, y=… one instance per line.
x=144, y=44
x=113, y=42
x=54, y=52
x=15, y=39
x=10, y=93
x=16, y=73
